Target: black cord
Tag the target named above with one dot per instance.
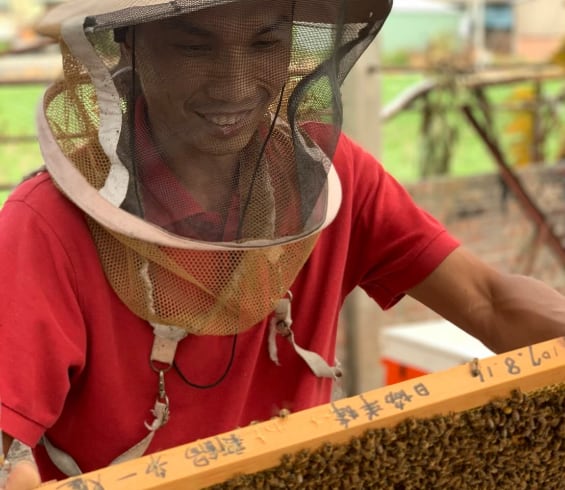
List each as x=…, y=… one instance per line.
x=264, y=146
x=133, y=129
x=219, y=380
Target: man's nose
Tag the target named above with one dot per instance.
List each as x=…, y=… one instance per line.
x=232, y=78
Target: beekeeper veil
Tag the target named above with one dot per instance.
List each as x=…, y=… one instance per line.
x=198, y=136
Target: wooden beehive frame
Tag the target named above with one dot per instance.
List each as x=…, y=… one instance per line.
x=261, y=446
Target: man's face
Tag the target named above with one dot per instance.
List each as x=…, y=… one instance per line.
x=208, y=77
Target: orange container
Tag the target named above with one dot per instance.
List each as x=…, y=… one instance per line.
x=396, y=372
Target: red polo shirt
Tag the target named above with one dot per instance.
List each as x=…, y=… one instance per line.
x=74, y=360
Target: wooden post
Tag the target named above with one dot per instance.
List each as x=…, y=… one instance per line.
x=261, y=446
x=362, y=122
x=361, y=101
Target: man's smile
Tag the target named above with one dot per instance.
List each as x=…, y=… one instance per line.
x=227, y=122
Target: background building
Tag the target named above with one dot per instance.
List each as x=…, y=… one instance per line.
x=492, y=30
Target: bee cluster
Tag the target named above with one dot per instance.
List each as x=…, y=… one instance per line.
x=512, y=443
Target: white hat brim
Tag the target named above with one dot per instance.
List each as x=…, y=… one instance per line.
x=131, y=12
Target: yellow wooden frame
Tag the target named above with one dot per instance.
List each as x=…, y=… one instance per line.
x=260, y=446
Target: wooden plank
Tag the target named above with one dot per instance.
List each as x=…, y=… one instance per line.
x=36, y=68
x=485, y=78
x=258, y=447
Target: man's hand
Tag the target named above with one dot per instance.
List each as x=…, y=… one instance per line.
x=21, y=470
x=504, y=311
x=23, y=475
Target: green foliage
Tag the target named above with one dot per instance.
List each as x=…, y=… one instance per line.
x=398, y=58
x=402, y=144
x=401, y=149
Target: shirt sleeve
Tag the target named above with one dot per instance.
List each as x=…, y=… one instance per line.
x=41, y=327
x=395, y=243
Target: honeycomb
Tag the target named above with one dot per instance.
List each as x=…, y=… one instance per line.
x=515, y=442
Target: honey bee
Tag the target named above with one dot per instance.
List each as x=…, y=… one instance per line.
x=283, y=413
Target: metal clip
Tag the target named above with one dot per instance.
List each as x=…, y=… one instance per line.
x=283, y=318
x=162, y=392
x=161, y=411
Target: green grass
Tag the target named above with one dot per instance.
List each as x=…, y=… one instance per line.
x=17, y=118
x=401, y=140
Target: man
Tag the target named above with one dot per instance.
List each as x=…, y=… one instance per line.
x=197, y=183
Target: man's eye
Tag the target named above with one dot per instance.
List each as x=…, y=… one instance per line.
x=266, y=43
x=194, y=48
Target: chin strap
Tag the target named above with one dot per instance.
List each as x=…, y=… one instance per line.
x=280, y=324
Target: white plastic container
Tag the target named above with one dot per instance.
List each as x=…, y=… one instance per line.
x=414, y=349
